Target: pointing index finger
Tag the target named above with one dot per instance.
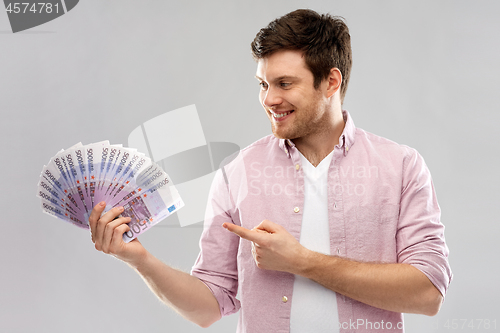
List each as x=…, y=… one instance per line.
x=250, y=235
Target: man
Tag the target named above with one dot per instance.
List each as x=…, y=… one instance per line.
x=321, y=226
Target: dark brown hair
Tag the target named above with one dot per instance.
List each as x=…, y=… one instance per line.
x=324, y=39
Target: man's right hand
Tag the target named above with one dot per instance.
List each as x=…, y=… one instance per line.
x=107, y=232
x=183, y=292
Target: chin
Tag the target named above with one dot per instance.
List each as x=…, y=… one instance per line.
x=281, y=135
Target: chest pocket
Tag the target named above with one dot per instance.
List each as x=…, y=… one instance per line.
x=376, y=227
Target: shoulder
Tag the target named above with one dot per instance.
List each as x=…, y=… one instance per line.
x=257, y=150
x=378, y=146
x=265, y=143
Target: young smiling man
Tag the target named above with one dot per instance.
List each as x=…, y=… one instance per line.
x=321, y=226
x=310, y=116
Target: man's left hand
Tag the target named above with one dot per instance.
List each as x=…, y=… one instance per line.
x=273, y=247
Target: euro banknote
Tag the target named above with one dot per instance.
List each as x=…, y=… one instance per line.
x=77, y=178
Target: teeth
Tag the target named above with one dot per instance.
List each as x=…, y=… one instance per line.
x=279, y=115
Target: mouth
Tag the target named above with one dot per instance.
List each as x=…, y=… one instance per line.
x=279, y=115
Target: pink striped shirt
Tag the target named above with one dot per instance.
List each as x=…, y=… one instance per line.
x=382, y=208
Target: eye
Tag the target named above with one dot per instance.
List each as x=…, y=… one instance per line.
x=263, y=85
x=285, y=84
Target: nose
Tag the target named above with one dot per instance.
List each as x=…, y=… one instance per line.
x=270, y=98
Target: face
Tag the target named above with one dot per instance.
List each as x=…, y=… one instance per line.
x=295, y=108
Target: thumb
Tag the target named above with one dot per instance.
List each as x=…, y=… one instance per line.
x=268, y=226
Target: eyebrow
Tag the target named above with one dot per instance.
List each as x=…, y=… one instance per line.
x=280, y=78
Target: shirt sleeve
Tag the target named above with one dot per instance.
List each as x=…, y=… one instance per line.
x=420, y=235
x=216, y=265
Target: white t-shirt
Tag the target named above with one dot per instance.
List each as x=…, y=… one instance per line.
x=314, y=307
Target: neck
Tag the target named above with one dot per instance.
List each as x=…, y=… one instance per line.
x=316, y=146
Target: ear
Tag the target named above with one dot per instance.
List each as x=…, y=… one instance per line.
x=334, y=82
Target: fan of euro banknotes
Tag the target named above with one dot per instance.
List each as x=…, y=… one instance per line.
x=78, y=178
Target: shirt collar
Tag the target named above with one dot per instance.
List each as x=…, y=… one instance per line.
x=286, y=145
x=346, y=139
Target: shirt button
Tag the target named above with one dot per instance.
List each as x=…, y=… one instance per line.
x=284, y=299
x=296, y=209
x=297, y=166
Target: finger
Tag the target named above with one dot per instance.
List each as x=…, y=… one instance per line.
x=243, y=232
x=101, y=225
x=254, y=252
x=117, y=239
x=94, y=217
x=268, y=226
x=259, y=231
x=109, y=232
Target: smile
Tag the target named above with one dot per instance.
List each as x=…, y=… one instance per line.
x=280, y=115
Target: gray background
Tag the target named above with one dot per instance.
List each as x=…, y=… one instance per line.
x=425, y=74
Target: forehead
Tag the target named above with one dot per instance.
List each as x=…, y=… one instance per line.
x=283, y=63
